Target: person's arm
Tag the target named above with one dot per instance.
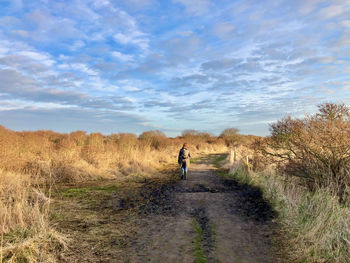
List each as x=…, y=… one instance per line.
x=179, y=158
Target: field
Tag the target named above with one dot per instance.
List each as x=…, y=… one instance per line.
x=40, y=168
x=118, y=198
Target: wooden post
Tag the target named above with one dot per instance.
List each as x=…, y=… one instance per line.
x=248, y=165
x=232, y=156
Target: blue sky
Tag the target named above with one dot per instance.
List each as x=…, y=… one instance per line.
x=137, y=65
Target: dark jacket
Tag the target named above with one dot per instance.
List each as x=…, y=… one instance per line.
x=184, y=157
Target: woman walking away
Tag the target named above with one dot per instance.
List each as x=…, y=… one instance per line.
x=184, y=160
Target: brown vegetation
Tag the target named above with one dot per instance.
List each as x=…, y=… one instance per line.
x=32, y=162
x=315, y=149
x=303, y=168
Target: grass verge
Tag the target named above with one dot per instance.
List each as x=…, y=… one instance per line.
x=317, y=226
x=219, y=158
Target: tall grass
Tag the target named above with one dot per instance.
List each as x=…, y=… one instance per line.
x=78, y=156
x=25, y=233
x=30, y=162
x=316, y=225
x=303, y=169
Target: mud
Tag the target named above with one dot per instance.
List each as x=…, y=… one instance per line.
x=155, y=222
x=237, y=222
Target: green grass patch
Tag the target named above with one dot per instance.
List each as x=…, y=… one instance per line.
x=83, y=191
x=198, y=250
x=216, y=162
x=196, y=160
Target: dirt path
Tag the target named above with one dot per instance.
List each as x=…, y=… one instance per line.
x=206, y=218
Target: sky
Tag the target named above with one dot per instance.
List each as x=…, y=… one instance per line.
x=136, y=65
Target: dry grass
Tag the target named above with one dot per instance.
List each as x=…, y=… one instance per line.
x=317, y=224
x=32, y=162
x=25, y=233
x=303, y=169
x=316, y=149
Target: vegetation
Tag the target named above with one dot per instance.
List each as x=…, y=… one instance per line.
x=302, y=167
x=198, y=250
x=34, y=163
x=303, y=170
x=315, y=149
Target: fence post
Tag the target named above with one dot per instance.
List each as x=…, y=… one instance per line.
x=247, y=162
x=232, y=156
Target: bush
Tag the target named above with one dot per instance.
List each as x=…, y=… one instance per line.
x=155, y=139
x=316, y=148
x=231, y=136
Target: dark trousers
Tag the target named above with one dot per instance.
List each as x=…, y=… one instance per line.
x=184, y=170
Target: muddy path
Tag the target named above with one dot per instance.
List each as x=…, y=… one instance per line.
x=205, y=218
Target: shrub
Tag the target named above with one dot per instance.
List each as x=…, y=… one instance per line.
x=155, y=139
x=231, y=136
x=316, y=148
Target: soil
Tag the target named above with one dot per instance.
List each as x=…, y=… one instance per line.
x=158, y=224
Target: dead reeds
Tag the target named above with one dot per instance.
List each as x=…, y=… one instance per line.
x=31, y=162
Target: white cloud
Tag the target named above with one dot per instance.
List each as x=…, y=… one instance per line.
x=77, y=45
x=83, y=68
x=122, y=57
x=21, y=104
x=41, y=57
x=345, y=23
x=332, y=11
x=3, y=50
x=131, y=88
x=34, y=55
x=134, y=38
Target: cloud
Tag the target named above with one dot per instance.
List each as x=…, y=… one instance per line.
x=130, y=88
x=332, y=11
x=77, y=45
x=20, y=86
x=176, y=53
x=17, y=85
x=306, y=7
x=212, y=63
x=48, y=28
x=39, y=57
x=194, y=80
x=122, y=57
x=134, y=38
x=79, y=67
x=345, y=23
x=224, y=30
x=70, y=119
x=139, y=4
x=156, y=103
x=196, y=8
x=220, y=64
x=104, y=66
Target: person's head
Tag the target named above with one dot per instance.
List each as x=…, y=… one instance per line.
x=185, y=145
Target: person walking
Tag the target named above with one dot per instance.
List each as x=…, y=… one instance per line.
x=184, y=160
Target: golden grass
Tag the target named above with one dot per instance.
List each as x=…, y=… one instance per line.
x=32, y=162
x=26, y=235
